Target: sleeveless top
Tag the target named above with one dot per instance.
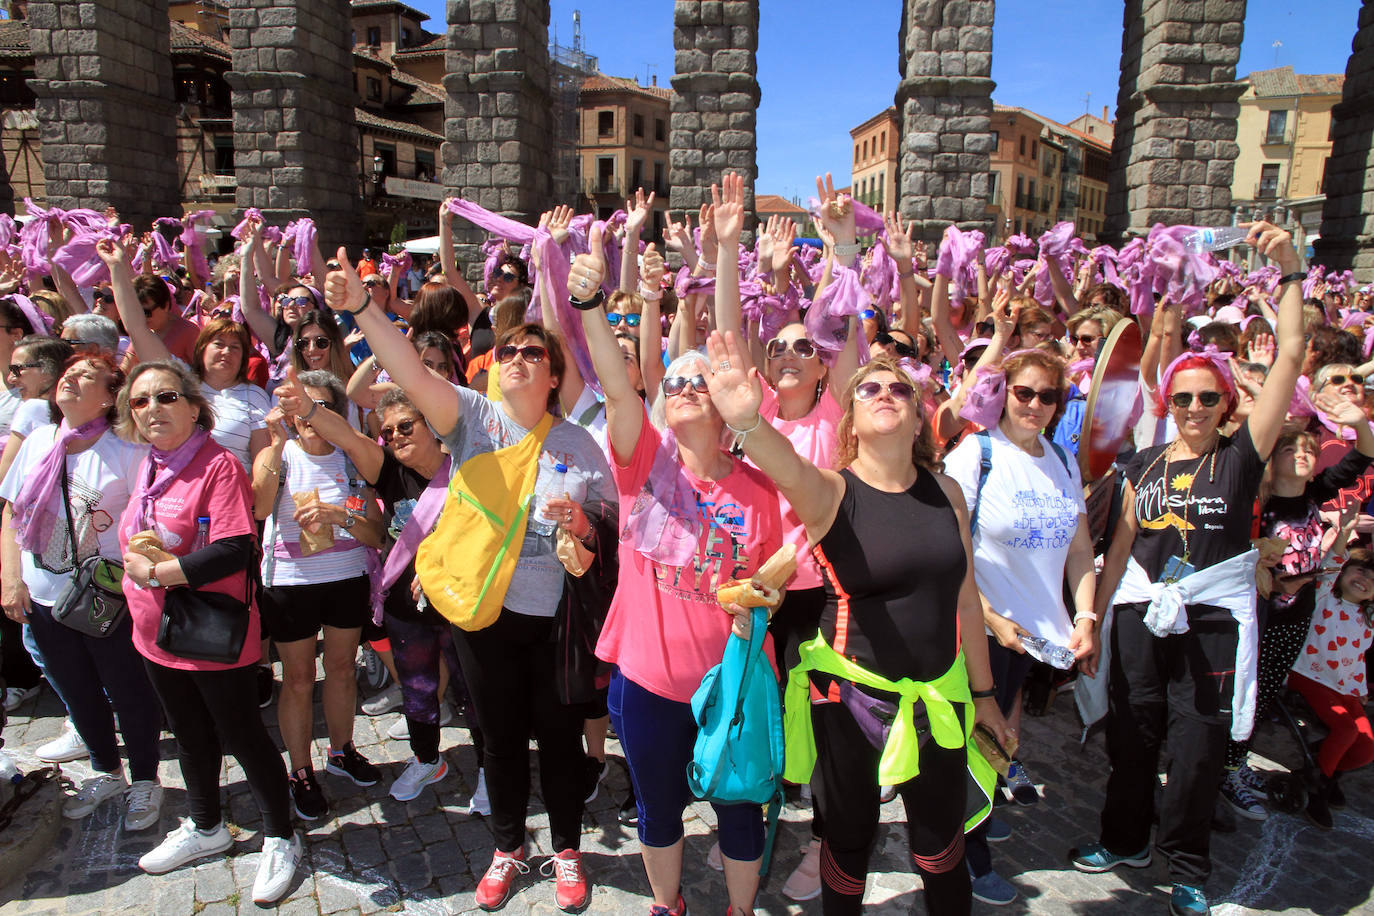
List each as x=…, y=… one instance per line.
x=892, y=565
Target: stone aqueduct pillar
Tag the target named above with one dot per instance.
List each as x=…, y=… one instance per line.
x=295, y=140
x=1174, y=150
x=716, y=98
x=1348, y=217
x=945, y=103
x=103, y=78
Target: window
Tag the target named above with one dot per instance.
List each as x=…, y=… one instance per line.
x=992, y=185
x=883, y=138
x=636, y=174
x=1022, y=152
x=424, y=165
x=1020, y=195
x=605, y=123
x=1032, y=149
x=865, y=155
x=374, y=35
x=996, y=139
x=224, y=154
x=1277, y=127
x=856, y=152
x=639, y=125
x=374, y=89
x=1326, y=172
x=879, y=205
x=1018, y=227
x=1030, y=194
x=605, y=175
x=407, y=38
x=660, y=186
x=660, y=131
x=388, y=154
x=1268, y=187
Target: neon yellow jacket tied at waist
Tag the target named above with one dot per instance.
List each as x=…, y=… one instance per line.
x=900, y=760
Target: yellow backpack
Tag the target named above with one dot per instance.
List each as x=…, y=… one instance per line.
x=465, y=565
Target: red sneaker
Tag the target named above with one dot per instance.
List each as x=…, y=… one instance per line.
x=494, y=888
x=571, y=888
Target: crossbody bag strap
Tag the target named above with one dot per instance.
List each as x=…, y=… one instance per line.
x=67, y=508
x=984, y=468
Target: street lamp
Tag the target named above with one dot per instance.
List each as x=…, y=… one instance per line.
x=378, y=165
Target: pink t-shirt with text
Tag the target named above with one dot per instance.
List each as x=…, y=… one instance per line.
x=214, y=484
x=665, y=628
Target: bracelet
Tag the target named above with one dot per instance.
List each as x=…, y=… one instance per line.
x=1085, y=615
x=313, y=407
x=271, y=470
x=706, y=265
x=376, y=366
x=649, y=295
x=1296, y=276
x=586, y=305
x=907, y=275
x=848, y=251
x=984, y=694
x=737, y=446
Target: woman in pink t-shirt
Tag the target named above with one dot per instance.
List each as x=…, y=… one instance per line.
x=696, y=518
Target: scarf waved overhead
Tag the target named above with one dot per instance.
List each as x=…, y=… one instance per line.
x=156, y=474
x=34, y=517
x=665, y=523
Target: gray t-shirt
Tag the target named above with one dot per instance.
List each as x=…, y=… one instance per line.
x=484, y=426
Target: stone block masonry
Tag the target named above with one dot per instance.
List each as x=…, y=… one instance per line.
x=105, y=105
x=1347, y=240
x=715, y=103
x=295, y=133
x=945, y=103
x=498, y=121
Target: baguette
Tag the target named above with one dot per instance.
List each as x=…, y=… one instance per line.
x=763, y=589
x=148, y=544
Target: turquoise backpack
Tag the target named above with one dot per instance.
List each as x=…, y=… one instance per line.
x=738, y=755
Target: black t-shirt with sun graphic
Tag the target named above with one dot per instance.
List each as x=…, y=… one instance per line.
x=1211, y=497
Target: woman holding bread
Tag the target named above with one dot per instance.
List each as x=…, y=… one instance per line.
x=187, y=477
x=67, y=486
x=892, y=539
x=697, y=517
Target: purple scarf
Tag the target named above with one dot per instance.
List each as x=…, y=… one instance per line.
x=191, y=243
x=665, y=523
x=417, y=528
x=842, y=297
x=303, y=236
x=552, y=283
x=33, y=515
x=494, y=223
x=156, y=474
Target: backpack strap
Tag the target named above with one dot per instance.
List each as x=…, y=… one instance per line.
x=589, y=414
x=984, y=467
x=1063, y=455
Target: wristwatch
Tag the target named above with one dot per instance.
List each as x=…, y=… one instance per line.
x=350, y=521
x=152, y=581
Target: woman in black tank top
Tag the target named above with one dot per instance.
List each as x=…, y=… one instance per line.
x=892, y=539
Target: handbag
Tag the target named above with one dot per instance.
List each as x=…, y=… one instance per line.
x=93, y=602
x=205, y=626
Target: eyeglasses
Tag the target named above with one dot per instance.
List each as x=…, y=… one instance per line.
x=530, y=353
x=1184, y=399
x=899, y=391
x=369, y=282
x=16, y=368
x=1338, y=380
x=801, y=347
x=885, y=339
x=148, y=312
x=614, y=319
x=297, y=301
x=320, y=343
x=78, y=342
x=1086, y=340
x=868, y=315
x=105, y=295
x=509, y=276
x=404, y=428
x=162, y=397
x=1026, y=394
x=676, y=384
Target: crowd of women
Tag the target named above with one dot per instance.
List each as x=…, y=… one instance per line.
x=525, y=498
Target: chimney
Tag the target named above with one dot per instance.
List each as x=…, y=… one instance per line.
x=1104, y=114
x=655, y=79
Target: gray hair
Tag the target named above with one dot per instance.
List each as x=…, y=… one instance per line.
x=658, y=414
x=97, y=329
x=323, y=378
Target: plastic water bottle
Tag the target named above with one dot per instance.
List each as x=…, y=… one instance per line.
x=554, y=487
x=8, y=771
x=1209, y=238
x=202, y=533
x=1048, y=652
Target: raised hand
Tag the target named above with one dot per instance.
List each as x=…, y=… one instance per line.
x=637, y=210
x=765, y=247
x=276, y=427
x=898, y=239
x=727, y=200
x=1005, y=313
x=678, y=236
x=1274, y=244
x=733, y=381
x=111, y=253
x=343, y=288
x=584, y=278
x=559, y=220
x=837, y=211
x=290, y=395
x=709, y=246
x=1261, y=349
x=445, y=214
x=651, y=276
x=1342, y=410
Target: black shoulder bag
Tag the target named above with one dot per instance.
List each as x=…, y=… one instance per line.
x=205, y=626
x=93, y=602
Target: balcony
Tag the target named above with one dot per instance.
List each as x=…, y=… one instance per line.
x=1267, y=190
x=604, y=186
x=1278, y=137
x=1023, y=202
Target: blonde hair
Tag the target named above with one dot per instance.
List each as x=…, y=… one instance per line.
x=923, y=453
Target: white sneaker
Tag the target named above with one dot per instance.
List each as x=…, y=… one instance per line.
x=65, y=748
x=384, y=702
x=142, y=804
x=185, y=844
x=400, y=729
x=479, y=803
x=276, y=868
x=17, y=696
x=93, y=793
x=805, y=881
x=412, y=782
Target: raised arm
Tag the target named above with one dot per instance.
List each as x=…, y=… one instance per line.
x=571, y=384
x=365, y=453
x=727, y=204
x=904, y=252
x=945, y=334
x=263, y=325
x=147, y=344
x=1063, y=291
x=651, y=323
x=1271, y=407
x=452, y=275
x=737, y=393
x=435, y=397
x=624, y=410
x=637, y=210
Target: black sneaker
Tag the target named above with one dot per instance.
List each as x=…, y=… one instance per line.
x=1318, y=810
x=595, y=772
x=1335, y=798
x=352, y=765
x=307, y=796
x=265, y=685
x=629, y=810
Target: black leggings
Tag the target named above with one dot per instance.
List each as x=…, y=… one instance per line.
x=210, y=709
x=1279, y=647
x=847, y=793
x=509, y=670
x=1009, y=670
x=16, y=665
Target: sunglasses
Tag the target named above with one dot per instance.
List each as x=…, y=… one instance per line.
x=105, y=295
x=530, y=353
x=78, y=342
x=1084, y=339
x=801, y=347
x=297, y=301
x=1184, y=399
x=899, y=391
x=16, y=368
x=509, y=276
x=162, y=397
x=148, y=312
x=320, y=343
x=614, y=318
x=676, y=384
x=404, y=428
x=1048, y=396
x=1338, y=380
x=372, y=283
x=868, y=315
x=885, y=339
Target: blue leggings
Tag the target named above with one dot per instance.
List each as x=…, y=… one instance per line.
x=657, y=735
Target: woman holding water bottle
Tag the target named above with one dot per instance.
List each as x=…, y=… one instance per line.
x=1029, y=528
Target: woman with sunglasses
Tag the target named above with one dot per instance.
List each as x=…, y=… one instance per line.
x=209, y=706
x=1182, y=670
x=69, y=484
x=34, y=369
x=162, y=317
x=1336, y=441
x=509, y=666
x=701, y=517
x=891, y=537
x=369, y=382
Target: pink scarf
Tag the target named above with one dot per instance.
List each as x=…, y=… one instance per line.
x=34, y=517
x=156, y=474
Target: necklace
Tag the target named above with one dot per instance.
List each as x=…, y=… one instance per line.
x=1181, y=523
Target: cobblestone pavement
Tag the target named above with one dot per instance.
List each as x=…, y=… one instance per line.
x=424, y=857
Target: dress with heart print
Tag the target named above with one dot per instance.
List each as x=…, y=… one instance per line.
x=1337, y=640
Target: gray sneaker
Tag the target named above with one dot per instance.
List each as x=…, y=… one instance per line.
x=93, y=793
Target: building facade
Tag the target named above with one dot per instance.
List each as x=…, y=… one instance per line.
x=622, y=144
x=877, y=145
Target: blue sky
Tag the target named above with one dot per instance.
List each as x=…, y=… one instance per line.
x=822, y=73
